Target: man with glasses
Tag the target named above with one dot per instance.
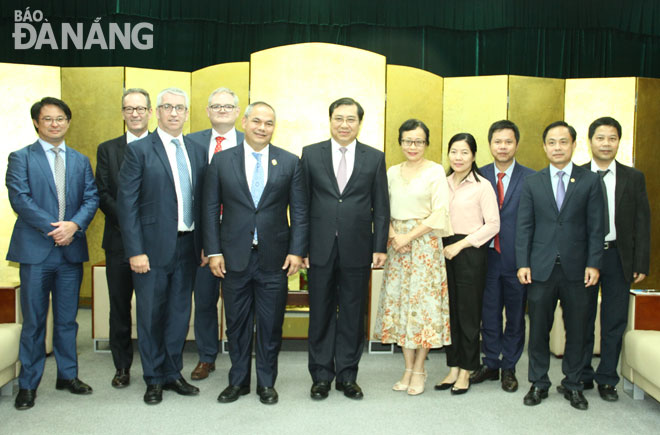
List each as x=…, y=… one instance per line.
x=52, y=190
x=136, y=110
x=160, y=185
x=222, y=111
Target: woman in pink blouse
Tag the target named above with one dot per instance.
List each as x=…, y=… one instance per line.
x=475, y=219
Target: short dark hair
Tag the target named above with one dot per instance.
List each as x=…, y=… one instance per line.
x=472, y=143
x=35, y=110
x=413, y=124
x=571, y=130
x=347, y=101
x=605, y=120
x=503, y=125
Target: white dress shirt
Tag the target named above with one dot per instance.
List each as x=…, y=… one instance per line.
x=50, y=155
x=229, y=142
x=610, y=184
x=350, y=157
x=251, y=162
x=554, y=178
x=170, y=149
x=130, y=137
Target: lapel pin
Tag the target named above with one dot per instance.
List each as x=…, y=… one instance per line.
x=572, y=180
x=274, y=162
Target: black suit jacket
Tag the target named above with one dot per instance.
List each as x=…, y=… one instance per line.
x=226, y=184
x=632, y=219
x=360, y=216
x=575, y=233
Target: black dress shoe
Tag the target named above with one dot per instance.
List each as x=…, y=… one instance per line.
x=534, y=396
x=444, y=386
x=25, y=399
x=232, y=393
x=181, y=387
x=267, y=395
x=588, y=385
x=456, y=391
x=154, y=394
x=320, y=390
x=351, y=389
x=122, y=378
x=75, y=385
x=577, y=399
x=509, y=381
x=608, y=393
x=484, y=374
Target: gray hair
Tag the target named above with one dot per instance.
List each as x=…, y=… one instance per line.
x=175, y=91
x=249, y=108
x=224, y=91
x=137, y=91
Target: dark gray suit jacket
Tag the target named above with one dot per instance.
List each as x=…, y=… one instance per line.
x=203, y=137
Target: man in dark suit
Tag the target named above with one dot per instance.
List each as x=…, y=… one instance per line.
x=52, y=190
x=253, y=248
x=559, y=248
x=136, y=109
x=503, y=290
x=160, y=185
x=349, y=222
x=626, y=255
x=222, y=111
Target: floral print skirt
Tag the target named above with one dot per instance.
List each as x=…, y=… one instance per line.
x=413, y=310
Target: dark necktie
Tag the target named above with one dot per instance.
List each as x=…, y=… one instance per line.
x=606, y=206
x=500, y=201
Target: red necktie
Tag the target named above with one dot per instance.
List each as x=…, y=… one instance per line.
x=500, y=201
x=218, y=144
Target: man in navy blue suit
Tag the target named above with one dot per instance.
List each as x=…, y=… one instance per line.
x=160, y=186
x=52, y=190
x=222, y=110
x=254, y=249
x=502, y=349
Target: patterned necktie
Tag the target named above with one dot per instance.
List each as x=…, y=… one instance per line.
x=500, y=201
x=257, y=187
x=60, y=182
x=606, y=208
x=218, y=144
x=561, y=189
x=184, y=182
x=341, y=170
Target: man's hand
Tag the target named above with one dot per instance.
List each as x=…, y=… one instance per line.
x=63, y=232
x=638, y=277
x=379, y=259
x=139, y=263
x=306, y=262
x=217, y=265
x=525, y=275
x=293, y=263
x=591, y=275
x=205, y=259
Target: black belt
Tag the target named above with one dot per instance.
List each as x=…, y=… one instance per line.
x=610, y=244
x=183, y=233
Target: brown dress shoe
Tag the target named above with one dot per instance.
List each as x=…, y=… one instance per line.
x=202, y=371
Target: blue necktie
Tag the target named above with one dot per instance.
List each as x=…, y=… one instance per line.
x=185, y=184
x=257, y=187
x=561, y=189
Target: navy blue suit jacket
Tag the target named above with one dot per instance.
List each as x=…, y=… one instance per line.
x=508, y=212
x=203, y=137
x=575, y=233
x=33, y=197
x=146, y=199
x=226, y=185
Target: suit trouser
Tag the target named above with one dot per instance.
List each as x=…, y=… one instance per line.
x=252, y=294
x=615, y=296
x=503, y=290
x=163, y=298
x=55, y=274
x=542, y=301
x=337, y=305
x=466, y=275
x=206, y=293
x=120, y=292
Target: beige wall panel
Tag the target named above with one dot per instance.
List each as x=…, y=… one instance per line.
x=94, y=96
x=22, y=86
x=300, y=81
x=534, y=103
x=235, y=76
x=154, y=81
x=412, y=93
x=589, y=99
x=471, y=105
x=647, y=160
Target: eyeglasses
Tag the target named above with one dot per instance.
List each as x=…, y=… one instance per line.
x=179, y=108
x=222, y=107
x=339, y=120
x=58, y=120
x=141, y=110
x=408, y=143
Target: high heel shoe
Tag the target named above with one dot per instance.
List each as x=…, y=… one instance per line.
x=399, y=386
x=443, y=386
x=412, y=391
